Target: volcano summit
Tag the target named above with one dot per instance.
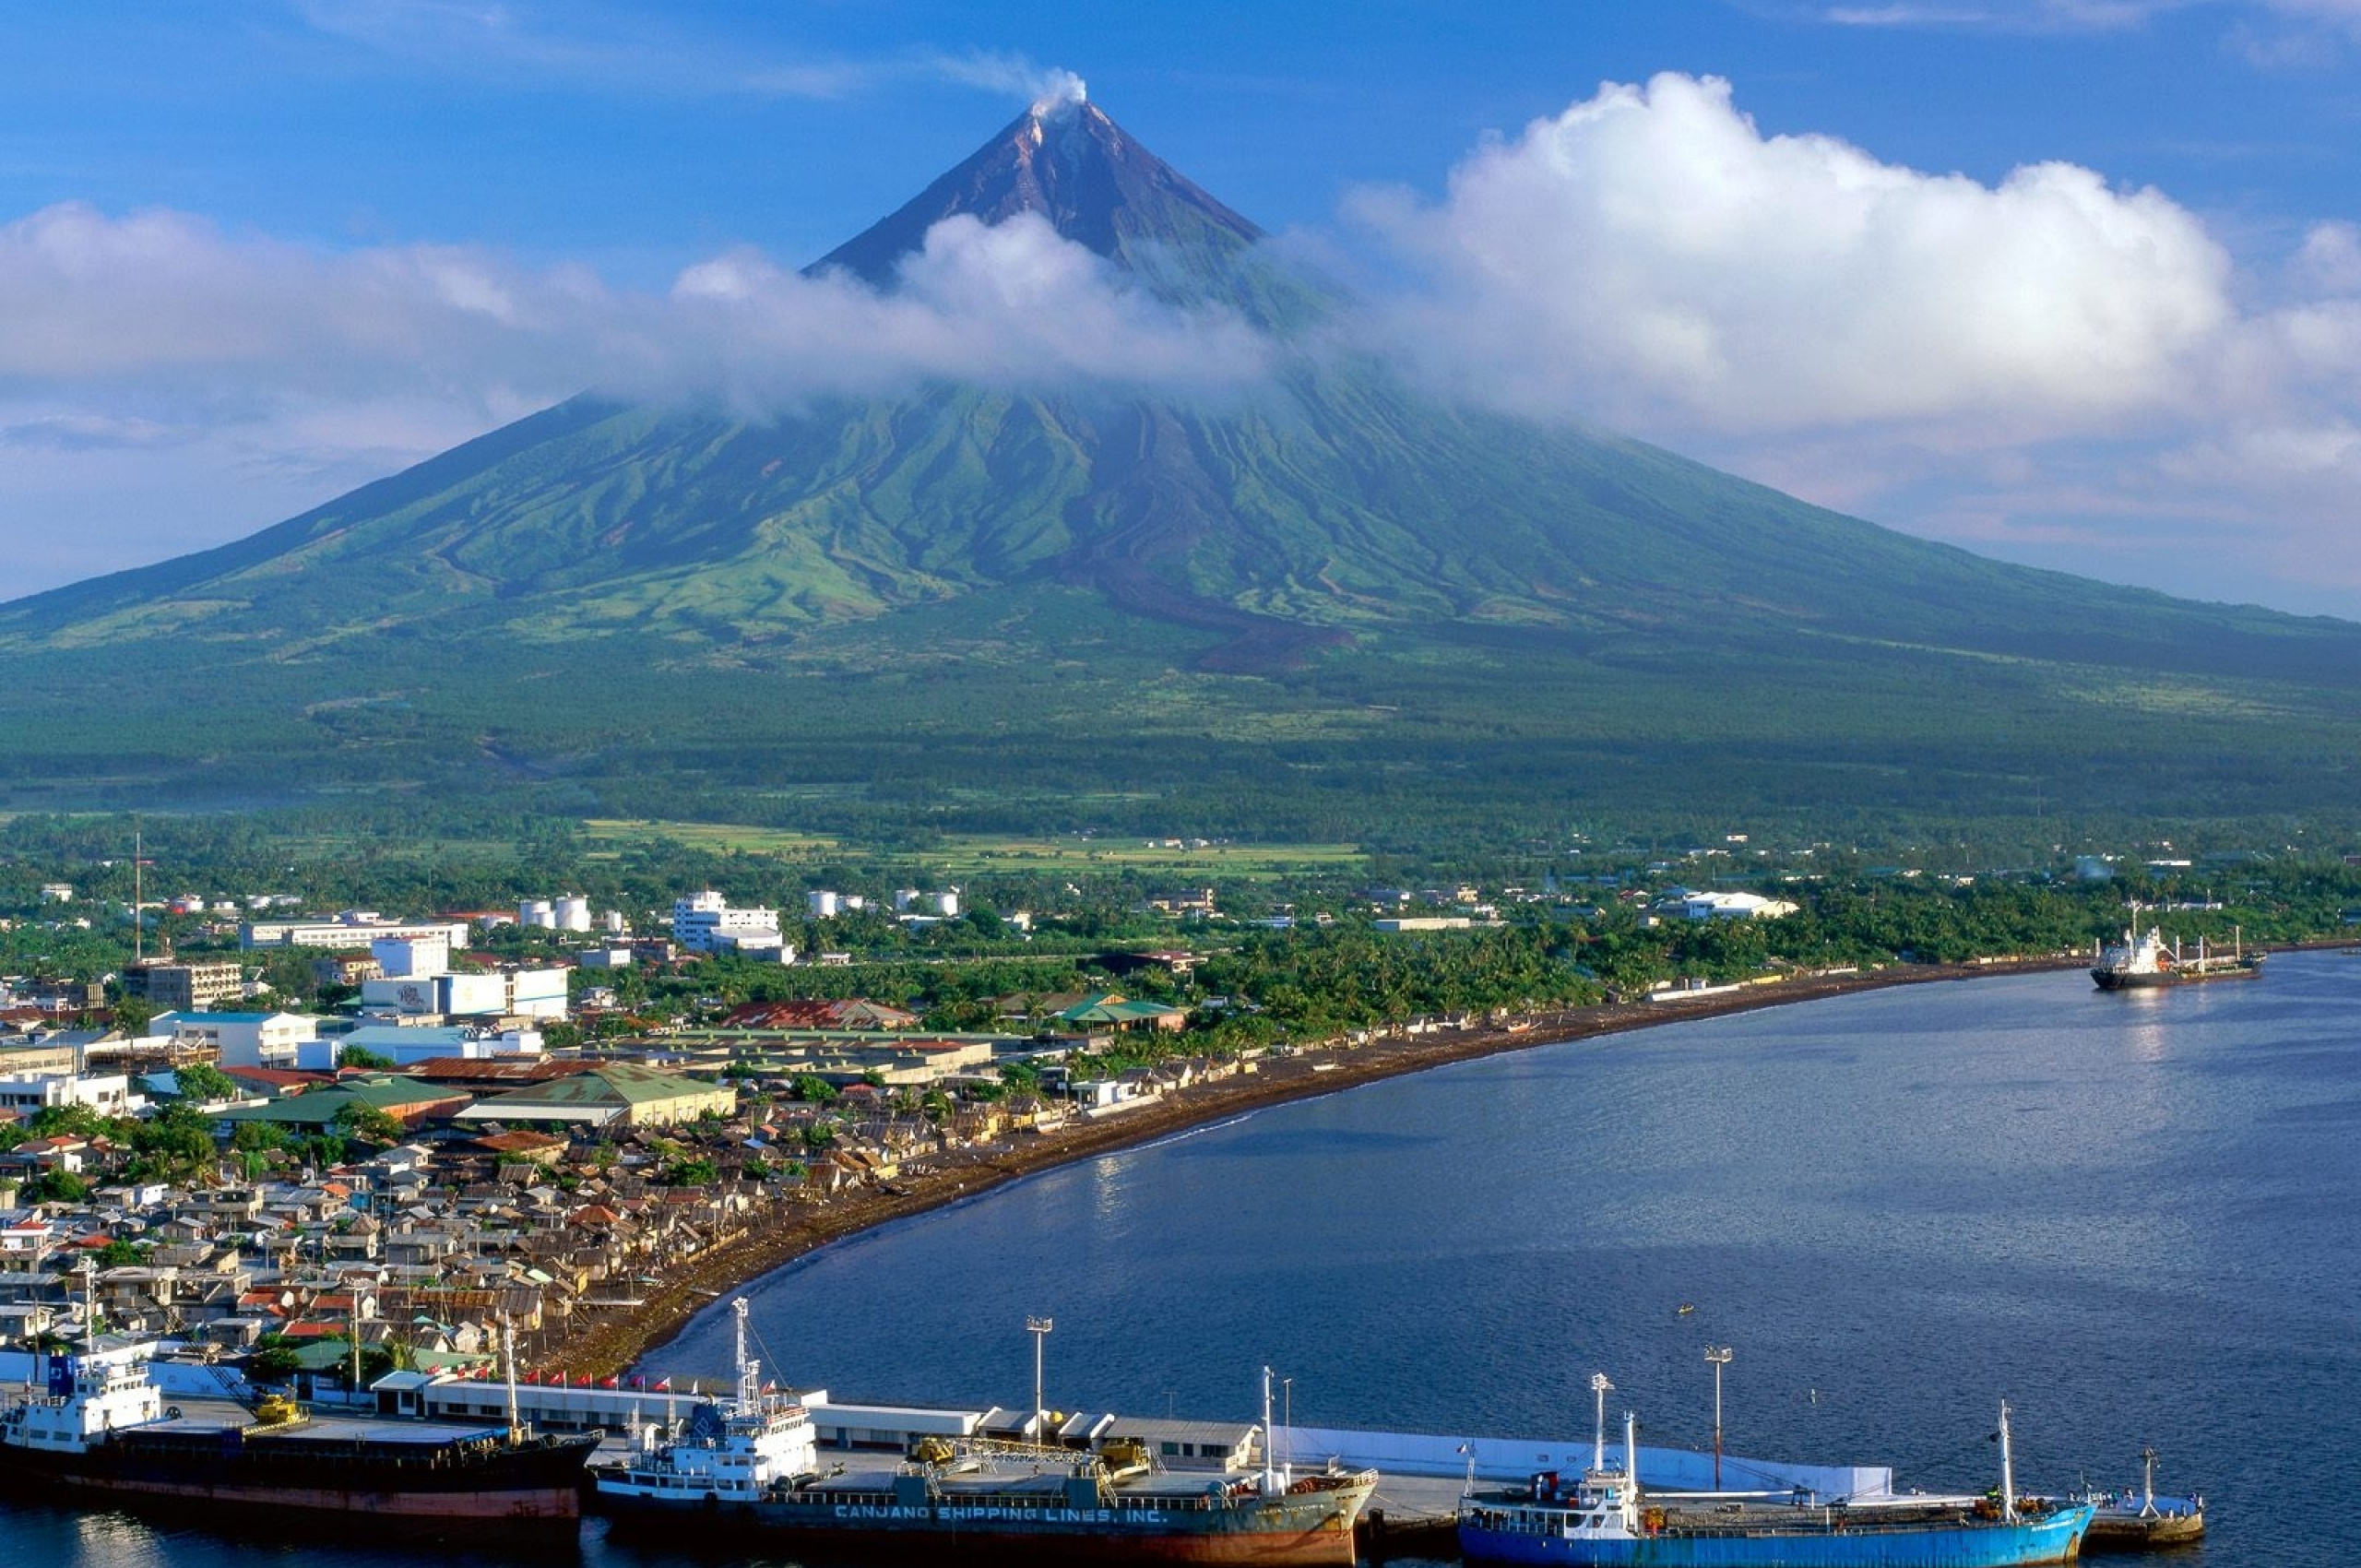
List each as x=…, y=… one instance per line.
x=1326, y=602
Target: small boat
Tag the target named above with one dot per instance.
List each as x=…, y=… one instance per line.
x=1607, y=1520
x=2122, y=1521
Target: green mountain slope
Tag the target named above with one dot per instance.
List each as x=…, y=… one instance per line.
x=1326, y=599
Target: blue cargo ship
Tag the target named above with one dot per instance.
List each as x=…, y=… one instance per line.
x=1604, y=1520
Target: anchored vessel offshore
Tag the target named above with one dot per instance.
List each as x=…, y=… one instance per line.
x=2141, y=961
x=1604, y=1519
x=752, y=1462
x=98, y=1425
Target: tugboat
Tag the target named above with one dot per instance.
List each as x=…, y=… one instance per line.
x=2123, y=1523
x=2141, y=962
x=751, y=1464
x=1604, y=1520
x=97, y=1425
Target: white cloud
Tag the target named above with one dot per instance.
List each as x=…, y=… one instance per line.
x=2050, y=368
x=1649, y=256
x=172, y=306
x=271, y=377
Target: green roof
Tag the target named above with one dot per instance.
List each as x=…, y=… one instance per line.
x=1108, y=1007
x=617, y=1083
x=319, y=1107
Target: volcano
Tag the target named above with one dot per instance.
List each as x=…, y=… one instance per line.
x=1332, y=601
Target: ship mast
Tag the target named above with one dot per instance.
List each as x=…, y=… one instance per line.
x=508, y=1367
x=1631, y=1458
x=1270, y=1474
x=749, y=1387
x=2008, y=1469
x=1598, y=1387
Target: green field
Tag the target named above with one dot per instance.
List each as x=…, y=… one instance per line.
x=986, y=854
x=611, y=836
x=979, y=854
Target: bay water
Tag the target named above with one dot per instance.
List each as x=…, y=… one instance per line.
x=2135, y=1217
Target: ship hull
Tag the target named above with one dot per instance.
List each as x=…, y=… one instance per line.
x=1314, y=1530
x=1964, y=1544
x=528, y=1485
x=2112, y=979
x=2124, y=1531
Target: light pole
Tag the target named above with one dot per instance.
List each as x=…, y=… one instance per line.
x=1038, y=1328
x=1720, y=1356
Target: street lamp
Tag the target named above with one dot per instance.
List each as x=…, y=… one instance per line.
x=1038, y=1328
x=1720, y=1356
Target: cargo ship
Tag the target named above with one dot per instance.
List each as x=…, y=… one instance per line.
x=98, y=1426
x=751, y=1464
x=1606, y=1519
x=2142, y=961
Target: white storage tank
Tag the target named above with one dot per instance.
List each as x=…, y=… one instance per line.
x=573, y=913
x=824, y=904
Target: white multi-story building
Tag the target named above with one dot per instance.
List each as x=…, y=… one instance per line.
x=107, y=1093
x=353, y=928
x=704, y=922
x=497, y=993
x=242, y=1040
x=412, y=957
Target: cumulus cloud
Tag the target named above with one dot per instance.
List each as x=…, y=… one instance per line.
x=174, y=305
x=1650, y=255
x=270, y=377
x=2050, y=367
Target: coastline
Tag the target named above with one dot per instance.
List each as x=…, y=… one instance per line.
x=609, y=1346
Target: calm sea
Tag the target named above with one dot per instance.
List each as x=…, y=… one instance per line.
x=2136, y=1218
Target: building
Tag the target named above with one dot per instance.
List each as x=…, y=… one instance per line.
x=407, y=1045
x=1732, y=906
x=240, y=1039
x=617, y=1094
x=704, y=922
x=184, y=986
x=106, y=1093
x=350, y=929
x=496, y=994
x=346, y=969
x=410, y=958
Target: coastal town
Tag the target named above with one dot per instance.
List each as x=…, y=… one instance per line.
x=334, y=1145
x=402, y=1175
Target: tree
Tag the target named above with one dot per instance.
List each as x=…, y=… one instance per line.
x=369, y=1124
x=59, y=1186
x=203, y=1082
x=361, y=1056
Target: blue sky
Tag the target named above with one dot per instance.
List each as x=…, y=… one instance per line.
x=2074, y=283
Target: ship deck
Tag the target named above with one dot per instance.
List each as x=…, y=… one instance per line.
x=200, y=1415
